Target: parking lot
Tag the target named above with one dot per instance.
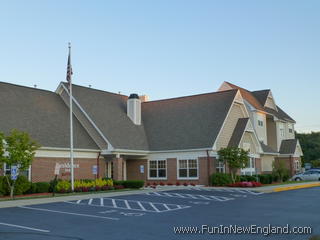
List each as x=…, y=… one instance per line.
x=154, y=215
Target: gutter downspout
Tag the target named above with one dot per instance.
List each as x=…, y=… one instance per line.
x=98, y=165
x=209, y=166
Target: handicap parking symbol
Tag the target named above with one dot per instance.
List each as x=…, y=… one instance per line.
x=132, y=214
x=199, y=203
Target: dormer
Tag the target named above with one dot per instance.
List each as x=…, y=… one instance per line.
x=270, y=102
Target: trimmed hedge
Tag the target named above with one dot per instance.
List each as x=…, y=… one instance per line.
x=130, y=183
x=220, y=179
x=42, y=187
x=266, y=178
x=247, y=178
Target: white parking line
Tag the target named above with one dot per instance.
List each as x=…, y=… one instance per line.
x=131, y=205
x=24, y=227
x=142, y=207
x=154, y=207
x=190, y=196
x=247, y=191
x=68, y=213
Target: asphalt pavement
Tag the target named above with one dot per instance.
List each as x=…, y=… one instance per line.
x=161, y=215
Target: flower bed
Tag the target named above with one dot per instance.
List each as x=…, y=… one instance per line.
x=245, y=184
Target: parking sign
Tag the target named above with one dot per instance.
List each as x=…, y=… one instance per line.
x=14, y=172
x=95, y=169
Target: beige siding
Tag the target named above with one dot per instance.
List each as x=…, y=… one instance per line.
x=288, y=134
x=266, y=163
x=272, y=134
x=235, y=113
x=248, y=139
x=260, y=130
x=270, y=103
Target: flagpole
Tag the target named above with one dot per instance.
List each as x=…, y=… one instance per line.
x=71, y=120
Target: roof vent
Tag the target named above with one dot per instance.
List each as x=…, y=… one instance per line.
x=134, y=108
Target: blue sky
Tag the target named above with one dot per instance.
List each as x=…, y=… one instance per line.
x=169, y=48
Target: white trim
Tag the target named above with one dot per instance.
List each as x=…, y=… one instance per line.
x=157, y=178
x=188, y=178
x=53, y=153
x=68, y=149
x=29, y=173
x=201, y=152
x=89, y=119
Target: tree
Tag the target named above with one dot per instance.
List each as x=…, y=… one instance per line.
x=310, y=144
x=280, y=170
x=235, y=158
x=16, y=149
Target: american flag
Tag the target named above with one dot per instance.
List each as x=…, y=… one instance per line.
x=69, y=67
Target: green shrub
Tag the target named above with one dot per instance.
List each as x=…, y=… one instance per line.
x=247, y=178
x=133, y=183
x=118, y=182
x=286, y=177
x=2, y=185
x=266, y=178
x=53, y=185
x=21, y=186
x=129, y=183
x=63, y=186
x=220, y=179
x=42, y=187
x=32, y=189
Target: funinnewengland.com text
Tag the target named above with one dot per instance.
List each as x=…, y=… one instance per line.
x=237, y=229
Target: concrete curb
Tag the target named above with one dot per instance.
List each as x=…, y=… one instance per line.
x=287, y=188
x=35, y=201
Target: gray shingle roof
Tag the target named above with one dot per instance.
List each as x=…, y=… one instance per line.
x=186, y=122
x=42, y=114
x=279, y=114
x=108, y=111
x=267, y=149
x=238, y=132
x=288, y=146
x=261, y=95
x=258, y=98
x=171, y=124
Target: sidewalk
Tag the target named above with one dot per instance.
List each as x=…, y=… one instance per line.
x=264, y=189
x=25, y=202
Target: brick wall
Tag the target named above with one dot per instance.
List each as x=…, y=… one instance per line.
x=43, y=168
x=289, y=163
x=133, y=171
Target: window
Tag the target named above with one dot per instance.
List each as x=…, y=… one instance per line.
x=260, y=123
x=188, y=168
x=220, y=167
x=249, y=169
x=297, y=165
x=251, y=163
x=281, y=129
x=158, y=169
x=290, y=130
